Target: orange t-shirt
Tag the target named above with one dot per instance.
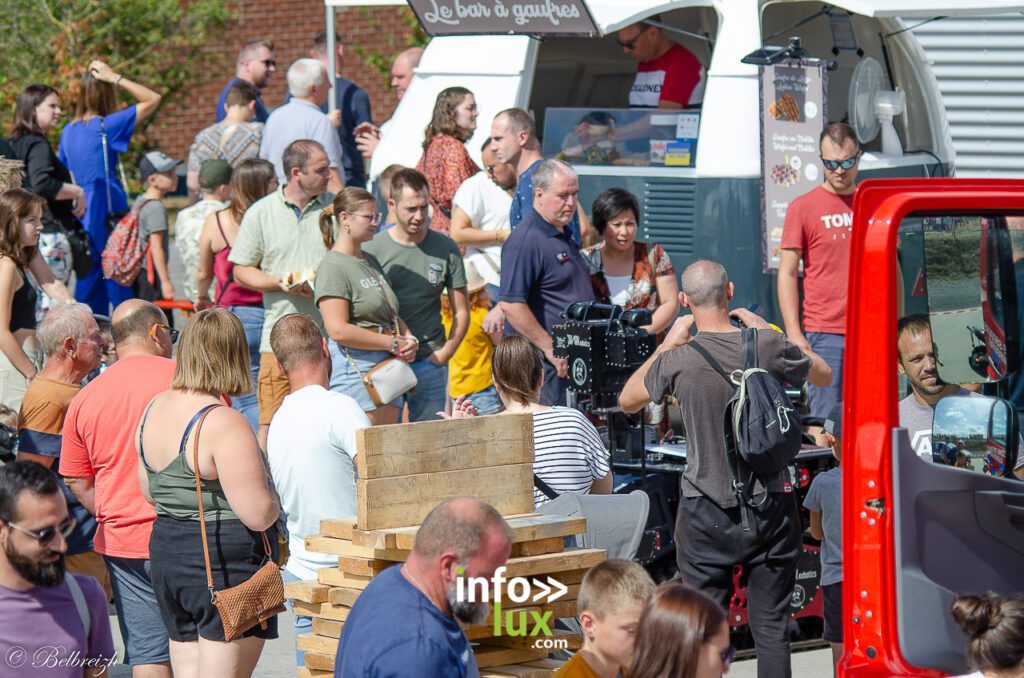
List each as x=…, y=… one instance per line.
x=820, y=224
x=577, y=667
x=99, y=442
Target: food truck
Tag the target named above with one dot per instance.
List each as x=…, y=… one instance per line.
x=713, y=180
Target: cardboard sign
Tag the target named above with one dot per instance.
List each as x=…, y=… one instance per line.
x=504, y=17
x=793, y=113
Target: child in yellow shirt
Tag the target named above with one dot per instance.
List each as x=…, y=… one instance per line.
x=611, y=599
x=469, y=370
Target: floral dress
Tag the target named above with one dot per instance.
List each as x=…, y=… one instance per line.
x=446, y=164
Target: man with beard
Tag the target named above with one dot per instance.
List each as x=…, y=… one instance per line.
x=406, y=622
x=918, y=361
x=53, y=625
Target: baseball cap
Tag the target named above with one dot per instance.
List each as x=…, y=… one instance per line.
x=834, y=421
x=474, y=281
x=214, y=172
x=156, y=162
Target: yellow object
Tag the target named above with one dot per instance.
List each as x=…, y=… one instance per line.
x=469, y=370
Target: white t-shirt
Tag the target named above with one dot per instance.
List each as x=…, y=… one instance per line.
x=488, y=207
x=618, y=288
x=311, y=447
x=568, y=453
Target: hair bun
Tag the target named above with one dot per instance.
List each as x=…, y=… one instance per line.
x=977, y=614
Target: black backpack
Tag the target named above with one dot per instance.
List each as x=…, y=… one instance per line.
x=762, y=429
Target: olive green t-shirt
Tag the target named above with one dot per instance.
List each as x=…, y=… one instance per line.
x=419, y=274
x=362, y=284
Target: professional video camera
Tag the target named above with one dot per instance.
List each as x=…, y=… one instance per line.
x=603, y=345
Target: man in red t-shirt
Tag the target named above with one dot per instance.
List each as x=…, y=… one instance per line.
x=818, y=231
x=668, y=75
x=99, y=463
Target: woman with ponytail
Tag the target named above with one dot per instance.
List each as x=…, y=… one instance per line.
x=359, y=308
x=994, y=626
x=250, y=181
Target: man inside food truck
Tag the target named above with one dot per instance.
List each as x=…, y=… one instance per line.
x=668, y=75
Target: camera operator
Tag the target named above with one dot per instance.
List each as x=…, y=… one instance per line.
x=542, y=270
x=709, y=535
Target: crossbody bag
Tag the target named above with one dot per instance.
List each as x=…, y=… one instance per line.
x=391, y=377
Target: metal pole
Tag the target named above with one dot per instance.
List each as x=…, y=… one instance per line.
x=332, y=55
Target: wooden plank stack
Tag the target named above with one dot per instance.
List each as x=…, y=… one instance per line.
x=404, y=472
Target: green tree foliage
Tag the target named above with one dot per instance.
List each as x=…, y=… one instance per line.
x=160, y=43
x=380, y=59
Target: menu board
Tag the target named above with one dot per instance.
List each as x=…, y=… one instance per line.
x=793, y=113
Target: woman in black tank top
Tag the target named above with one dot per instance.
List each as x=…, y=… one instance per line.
x=20, y=225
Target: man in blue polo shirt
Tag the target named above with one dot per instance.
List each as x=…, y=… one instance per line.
x=255, y=65
x=542, y=271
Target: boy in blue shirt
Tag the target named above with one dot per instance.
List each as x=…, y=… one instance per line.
x=825, y=502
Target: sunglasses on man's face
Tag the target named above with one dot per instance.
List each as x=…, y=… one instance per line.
x=170, y=330
x=46, y=535
x=269, y=63
x=629, y=44
x=833, y=165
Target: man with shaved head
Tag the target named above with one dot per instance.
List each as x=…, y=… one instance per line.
x=367, y=134
x=406, y=622
x=710, y=535
x=98, y=461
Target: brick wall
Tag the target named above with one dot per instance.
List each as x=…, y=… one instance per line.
x=291, y=24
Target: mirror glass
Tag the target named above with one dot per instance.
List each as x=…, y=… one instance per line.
x=972, y=432
x=959, y=270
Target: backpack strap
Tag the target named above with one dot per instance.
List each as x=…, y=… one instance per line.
x=711, y=361
x=80, y=605
x=749, y=336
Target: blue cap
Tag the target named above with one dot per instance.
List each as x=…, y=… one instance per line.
x=834, y=421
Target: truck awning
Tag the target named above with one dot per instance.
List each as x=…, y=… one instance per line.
x=927, y=9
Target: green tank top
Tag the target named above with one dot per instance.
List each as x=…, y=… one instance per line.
x=173, y=488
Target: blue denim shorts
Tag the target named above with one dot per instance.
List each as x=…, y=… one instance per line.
x=486, y=401
x=349, y=380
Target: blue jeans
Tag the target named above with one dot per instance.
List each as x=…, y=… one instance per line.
x=830, y=348
x=431, y=390
x=486, y=401
x=302, y=624
x=252, y=322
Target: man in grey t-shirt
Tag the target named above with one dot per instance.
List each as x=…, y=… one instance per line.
x=709, y=531
x=918, y=361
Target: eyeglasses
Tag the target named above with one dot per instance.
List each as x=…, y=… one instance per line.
x=46, y=535
x=170, y=330
x=629, y=44
x=727, y=655
x=833, y=165
x=374, y=219
x=269, y=63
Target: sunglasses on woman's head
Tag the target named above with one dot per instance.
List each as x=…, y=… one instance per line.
x=833, y=165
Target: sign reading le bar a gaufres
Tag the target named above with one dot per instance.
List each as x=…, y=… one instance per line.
x=529, y=17
x=793, y=112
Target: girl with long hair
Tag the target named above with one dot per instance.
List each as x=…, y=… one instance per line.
x=445, y=161
x=21, y=222
x=359, y=308
x=250, y=181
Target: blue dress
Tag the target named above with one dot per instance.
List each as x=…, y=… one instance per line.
x=81, y=151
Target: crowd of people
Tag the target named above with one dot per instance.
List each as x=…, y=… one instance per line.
x=317, y=315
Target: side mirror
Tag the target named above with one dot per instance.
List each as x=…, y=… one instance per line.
x=977, y=433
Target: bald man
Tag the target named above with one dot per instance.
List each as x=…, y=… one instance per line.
x=98, y=460
x=709, y=529
x=406, y=622
x=367, y=134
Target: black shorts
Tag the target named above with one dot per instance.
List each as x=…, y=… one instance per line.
x=179, y=574
x=832, y=603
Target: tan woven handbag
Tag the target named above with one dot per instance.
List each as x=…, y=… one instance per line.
x=255, y=600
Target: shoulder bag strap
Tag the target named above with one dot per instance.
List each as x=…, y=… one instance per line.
x=548, y=491
x=106, y=164
x=749, y=347
x=711, y=361
x=81, y=606
x=199, y=497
